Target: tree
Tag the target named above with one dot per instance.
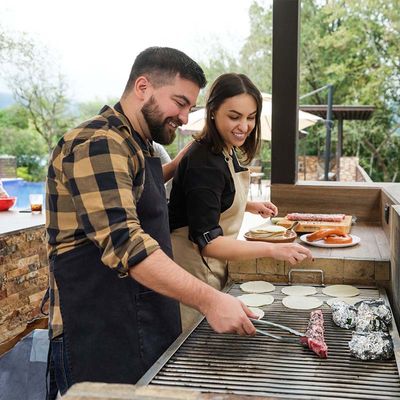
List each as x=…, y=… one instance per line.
x=17, y=138
x=28, y=70
x=352, y=45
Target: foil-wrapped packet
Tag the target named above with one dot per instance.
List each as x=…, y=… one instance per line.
x=371, y=345
x=368, y=321
x=378, y=307
x=343, y=314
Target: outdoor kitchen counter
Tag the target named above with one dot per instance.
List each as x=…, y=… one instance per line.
x=23, y=272
x=13, y=221
x=366, y=263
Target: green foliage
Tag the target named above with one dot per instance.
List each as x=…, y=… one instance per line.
x=18, y=139
x=34, y=172
x=88, y=109
x=256, y=54
x=31, y=74
x=352, y=45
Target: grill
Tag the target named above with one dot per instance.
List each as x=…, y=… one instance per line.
x=260, y=366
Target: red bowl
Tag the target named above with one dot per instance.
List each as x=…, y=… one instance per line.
x=7, y=202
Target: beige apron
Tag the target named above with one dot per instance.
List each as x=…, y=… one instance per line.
x=187, y=255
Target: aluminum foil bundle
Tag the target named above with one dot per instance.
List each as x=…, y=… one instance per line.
x=343, y=314
x=371, y=345
x=368, y=321
x=378, y=307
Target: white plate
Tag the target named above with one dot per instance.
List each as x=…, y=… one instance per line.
x=321, y=243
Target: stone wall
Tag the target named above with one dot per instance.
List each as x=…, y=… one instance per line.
x=348, y=271
x=8, y=167
x=311, y=168
x=23, y=280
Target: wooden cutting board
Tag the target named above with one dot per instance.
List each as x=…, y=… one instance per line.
x=312, y=226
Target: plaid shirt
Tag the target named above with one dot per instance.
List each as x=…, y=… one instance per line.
x=95, y=178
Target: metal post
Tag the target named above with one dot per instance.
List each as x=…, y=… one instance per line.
x=328, y=132
x=285, y=82
x=339, y=147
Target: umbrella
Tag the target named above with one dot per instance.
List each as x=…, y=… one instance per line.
x=196, y=119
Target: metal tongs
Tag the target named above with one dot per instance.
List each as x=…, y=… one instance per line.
x=283, y=327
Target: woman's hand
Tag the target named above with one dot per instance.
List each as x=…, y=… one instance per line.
x=294, y=253
x=265, y=209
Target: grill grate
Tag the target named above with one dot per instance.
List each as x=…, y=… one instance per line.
x=262, y=366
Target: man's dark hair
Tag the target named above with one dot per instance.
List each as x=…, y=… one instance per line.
x=161, y=65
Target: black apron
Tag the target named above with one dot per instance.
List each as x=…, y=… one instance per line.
x=115, y=328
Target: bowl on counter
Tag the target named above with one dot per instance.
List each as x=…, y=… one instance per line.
x=7, y=202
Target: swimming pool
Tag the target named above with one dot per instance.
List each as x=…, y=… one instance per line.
x=22, y=189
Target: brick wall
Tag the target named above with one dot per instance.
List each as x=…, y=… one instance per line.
x=8, y=167
x=23, y=280
x=348, y=271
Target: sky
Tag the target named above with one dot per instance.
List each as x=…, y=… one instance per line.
x=95, y=41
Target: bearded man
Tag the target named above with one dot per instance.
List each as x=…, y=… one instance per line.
x=114, y=289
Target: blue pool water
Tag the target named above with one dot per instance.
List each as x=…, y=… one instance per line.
x=22, y=189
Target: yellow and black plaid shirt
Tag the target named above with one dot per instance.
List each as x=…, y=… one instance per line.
x=95, y=178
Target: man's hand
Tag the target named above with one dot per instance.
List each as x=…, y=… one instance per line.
x=181, y=153
x=292, y=252
x=169, y=168
x=226, y=314
x=265, y=209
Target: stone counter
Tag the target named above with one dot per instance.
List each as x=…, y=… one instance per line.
x=23, y=271
x=13, y=221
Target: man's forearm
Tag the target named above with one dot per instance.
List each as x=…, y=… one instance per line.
x=224, y=313
x=159, y=273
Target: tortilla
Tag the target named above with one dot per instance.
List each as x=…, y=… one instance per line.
x=299, y=290
x=256, y=300
x=348, y=300
x=268, y=229
x=301, y=302
x=255, y=310
x=257, y=287
x=341, y=291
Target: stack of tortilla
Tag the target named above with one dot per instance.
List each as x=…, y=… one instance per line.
x=266, y=231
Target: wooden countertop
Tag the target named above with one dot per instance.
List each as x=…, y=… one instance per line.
x=374, y=244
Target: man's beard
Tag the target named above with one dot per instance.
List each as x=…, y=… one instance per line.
x=159, y=129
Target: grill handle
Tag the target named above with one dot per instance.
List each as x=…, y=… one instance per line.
x=319, y=271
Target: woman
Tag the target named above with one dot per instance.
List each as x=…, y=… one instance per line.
x=210, y=189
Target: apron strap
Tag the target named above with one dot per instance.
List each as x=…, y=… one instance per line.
x=51, y=385
x=203, y=240
x=44, y=301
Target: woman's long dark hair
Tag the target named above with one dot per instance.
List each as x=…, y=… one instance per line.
x=224, y=87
